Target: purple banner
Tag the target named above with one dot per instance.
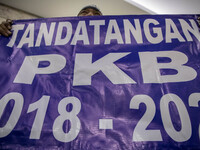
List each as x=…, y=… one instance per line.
x=103, y=82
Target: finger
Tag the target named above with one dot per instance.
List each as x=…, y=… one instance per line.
x=198, y=20
x=4, y=27
x=4, y=30
x=9, y=21
x=8, y=24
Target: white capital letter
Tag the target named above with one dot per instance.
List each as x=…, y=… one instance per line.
x=116, y=35
x=68, y=33
x=15, y=29
x=43, y=32
x=84, y=69
x=135, y=31
x=159, y=36
x=97, y=24
x=172, y=32
x=30, y=67
x=28, y=36
x=81, y=36
x=151, y=68
x=187, y=28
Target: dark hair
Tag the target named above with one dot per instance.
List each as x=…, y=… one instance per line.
x=90, y=6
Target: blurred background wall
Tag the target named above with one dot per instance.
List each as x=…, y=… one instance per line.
x=13, y=13
x=26, y=9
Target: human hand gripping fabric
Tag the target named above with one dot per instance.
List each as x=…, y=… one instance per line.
x=5, y=28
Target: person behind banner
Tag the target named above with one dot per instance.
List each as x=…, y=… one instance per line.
x=6, y=26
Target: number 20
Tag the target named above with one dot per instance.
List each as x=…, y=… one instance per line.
x=141, y=134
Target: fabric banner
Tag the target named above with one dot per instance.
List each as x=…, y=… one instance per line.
x=103, y=82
